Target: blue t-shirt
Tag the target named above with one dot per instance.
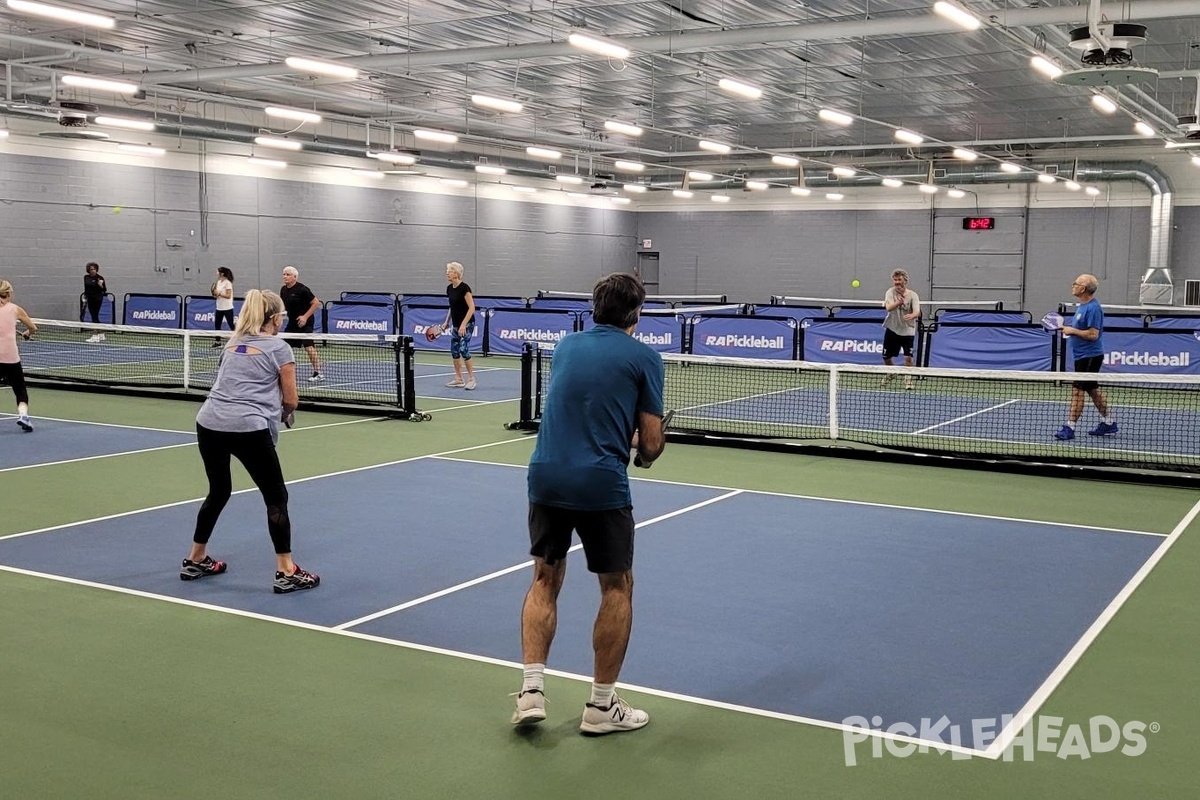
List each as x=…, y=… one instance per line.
x=601, y=379
x=1088, y=315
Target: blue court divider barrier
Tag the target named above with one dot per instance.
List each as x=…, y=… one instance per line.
x=499, y=301
x=1156, y=351
x=1179, y=322
x=153, y=310
x=200, y=312
x=1118, y=320
x=957, y=315
x=842, y=341
x=108, y=310
x=508, y=329
x=744, y=336
x=791, y=312
x=370, y=297
x=990, y=346
x=343, y=316
x=876, y=313
x=559, y=304
x=415, y=319
x=665, y=333
x=424, y=300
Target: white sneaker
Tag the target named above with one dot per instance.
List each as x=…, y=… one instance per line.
x=619, y=716
x=317, y=378
x=95, y=337
x=531, y=708
x=456, y=383
x=25, y=424
x=470, y=385
x=908, y=384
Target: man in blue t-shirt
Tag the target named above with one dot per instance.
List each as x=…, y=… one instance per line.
x=605, y=396
x=1085, y=335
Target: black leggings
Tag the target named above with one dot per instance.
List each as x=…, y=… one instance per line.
x=93, y=307
x=226, y=315
x=257, y=453
x=14, y=376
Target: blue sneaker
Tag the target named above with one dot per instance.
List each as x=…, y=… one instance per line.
x=1104, y=429
x=1064, y=433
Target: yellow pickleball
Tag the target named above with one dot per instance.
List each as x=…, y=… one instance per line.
x=854, y=284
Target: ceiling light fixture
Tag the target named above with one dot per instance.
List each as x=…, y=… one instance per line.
x=488, y=169
x=739, y=88
x=497, y=104
x=699, y=176
x=720, y=198
x=571, y=179
x=3, y=133
x=435, y=136
x=834, y=196
x=844, y=172
x=543, y=152
x=142, y=149
x=621, y=127
x=393, y=157
x=122, y=122
x=683, y=194
x=601, y=47
x=1103, y=104
x=629, y=166
x=278, y=144
x=714, y=147
x=836, y=117
x=893, y=183
x=1143, y=129
x=1092, y=190
x=321, y=68
x=955, y=193
x=267, y=162
x=965, y=155
x=801, y=191
x=62, y=14
x=908, y=136
x=785, y=161
x=621, y=201
x=1196, y=161
x=757, y=186
x=99, y=84
x=1046, y=67
x=1045, y=178
x=1008, y=166
x=927, y=188
x=959, y=16
x=293, y=114
x=1072, y=185
x=636, y=188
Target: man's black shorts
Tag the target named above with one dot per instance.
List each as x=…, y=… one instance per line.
x=292, y=328
x=607, y=536
x=1089, y=364
x=893, y=343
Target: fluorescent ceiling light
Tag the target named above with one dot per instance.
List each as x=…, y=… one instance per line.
x=955, y=193
x=601, y=47
x=699, y=176
x=622, y=201
x=844, y=172
x=572, y=179
x=1046, y=67
x=1196, y=161
x=62, y=14
x=957, y=15
x=834, y=196
x=543, y=152
x=1045, y=178
x=3, y=133
x=683, y=193
x=757, y=186
x=142, y=149
x=1143, y=129
x=99, y=84
x=1092, y=190
x=279, y=144
x=836, y=117
x=322, y=68
x=435, y=136
x=714, y=147
x=1103, y=104
x=393, y=157
x=636, y=188
x=739, y=88
x=1008, y=166
x=801, y=191
x=268, y=162
x=1072, y=185
x=927, y=188
x=720, y=198
x=497, y=104
x=455, y=182
x=785, y=161
x=292, y=114
x=965, y=155
x=629, y=166
x=488, y=169
x=524, y=189
x=122, y=122
x=908, y=136
x=621, y=127
x=368, y=173
x=893, y=183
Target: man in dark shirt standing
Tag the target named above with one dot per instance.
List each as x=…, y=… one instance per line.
x=301, y=305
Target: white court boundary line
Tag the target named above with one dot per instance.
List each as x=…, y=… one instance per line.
x=422, y=648
x=136, y=511
x=869, y=503
x=965, y=416
x=515, y=568
x=1023, y=717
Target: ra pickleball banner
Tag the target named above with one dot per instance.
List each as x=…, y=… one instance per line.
x=840, y=341
x=991, y=346
x=416, y=319
x=153, y=310
x=1159, y=352
x=744, y=337
x=366, y=318
x=108, y=310
x=509, y=329
x=662, y=332
x=200, y=312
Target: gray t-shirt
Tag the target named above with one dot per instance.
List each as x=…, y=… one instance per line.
x=246, y=394
x=895, y=321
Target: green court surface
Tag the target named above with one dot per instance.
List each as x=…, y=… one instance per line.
x=112, y=694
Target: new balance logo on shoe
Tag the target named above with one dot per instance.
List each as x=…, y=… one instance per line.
x=619, y=716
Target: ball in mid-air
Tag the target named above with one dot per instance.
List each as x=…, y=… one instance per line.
x=854, y=284
x=116, y=209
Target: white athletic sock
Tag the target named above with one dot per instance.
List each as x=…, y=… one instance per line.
x=535, y=678
x=22, y=409
x=1070, y=424
x=602, y=694
x=1109, y=419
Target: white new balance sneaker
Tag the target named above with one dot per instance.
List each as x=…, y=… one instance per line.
x=619, y=716
x=531, y=708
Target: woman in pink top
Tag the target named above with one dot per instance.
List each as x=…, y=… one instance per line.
x=10, y=358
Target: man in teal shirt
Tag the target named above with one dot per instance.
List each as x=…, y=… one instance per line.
x=1086, y=337
x=605, y=395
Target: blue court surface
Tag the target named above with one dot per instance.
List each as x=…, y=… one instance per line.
x=803, y=607
x=496, y=380
x=56, y=440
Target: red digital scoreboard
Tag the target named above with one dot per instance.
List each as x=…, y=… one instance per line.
x=979, y=223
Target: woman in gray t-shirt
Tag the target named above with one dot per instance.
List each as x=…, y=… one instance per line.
x=254, y=391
